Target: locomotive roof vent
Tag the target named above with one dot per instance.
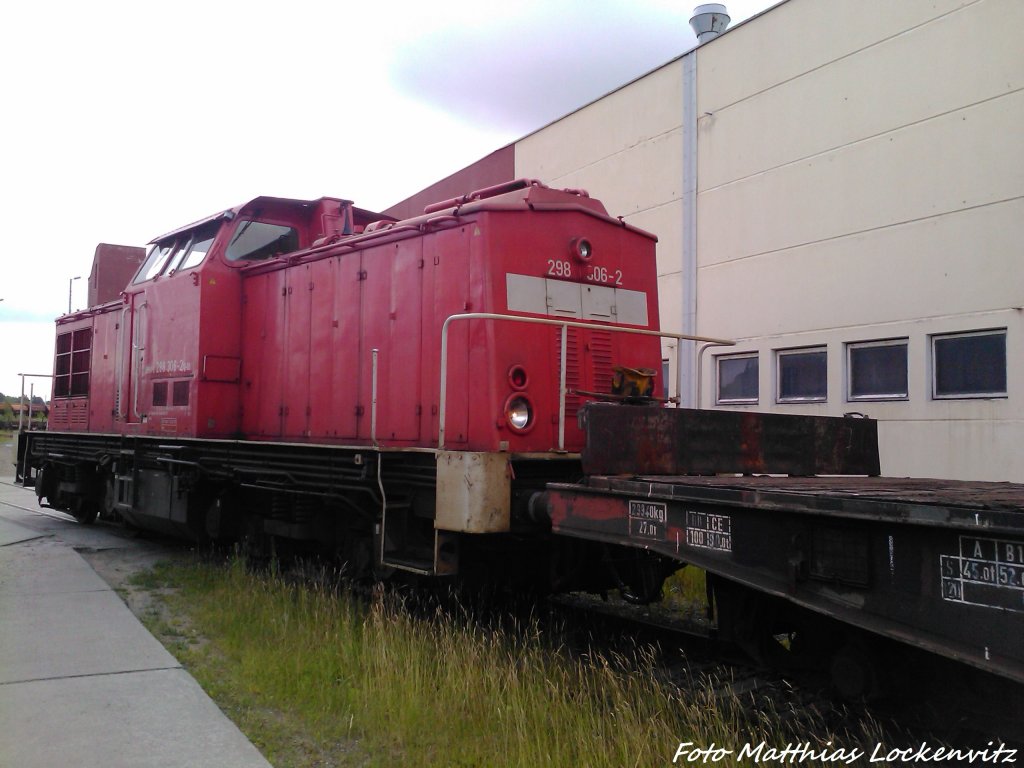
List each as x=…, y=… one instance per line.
x=709, y=21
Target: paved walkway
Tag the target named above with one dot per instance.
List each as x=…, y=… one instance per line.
x=82, y=682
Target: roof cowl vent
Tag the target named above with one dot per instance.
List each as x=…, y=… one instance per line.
x=709, y=21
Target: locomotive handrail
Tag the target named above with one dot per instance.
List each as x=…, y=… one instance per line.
x=700, y=367
x=137, y=349
x=565, y=325
x=21, y=402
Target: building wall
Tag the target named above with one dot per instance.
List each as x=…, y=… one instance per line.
x=860, y=177
x=113, y=267
x=861, y=182
x=626, y=150
x=497, y=167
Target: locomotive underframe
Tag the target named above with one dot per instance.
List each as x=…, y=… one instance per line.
x=374, y=511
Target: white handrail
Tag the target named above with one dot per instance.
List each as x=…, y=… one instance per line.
x=137, y=349
x=700, y=369
x=373, y=396
x=21, y=402
x=561, y=387
x=119, y=360
x=565, y=325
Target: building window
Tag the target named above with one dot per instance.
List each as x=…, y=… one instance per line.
x=877, y=370
x=969, y=364
x=737, y=379
x=803, y=375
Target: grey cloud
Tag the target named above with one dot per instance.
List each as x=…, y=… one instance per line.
x=519, y=73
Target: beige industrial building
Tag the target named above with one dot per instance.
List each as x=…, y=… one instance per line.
x=838, y=185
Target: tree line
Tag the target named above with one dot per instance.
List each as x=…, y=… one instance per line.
x=9, y=411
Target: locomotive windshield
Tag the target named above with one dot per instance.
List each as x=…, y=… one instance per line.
x=156, y=260
x=256, y=240
x=183, y=251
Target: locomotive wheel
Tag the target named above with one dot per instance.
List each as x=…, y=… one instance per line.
x=254, y=544
x=85, y=511
x=355, y=556
x=109, y=510
x=46, y=479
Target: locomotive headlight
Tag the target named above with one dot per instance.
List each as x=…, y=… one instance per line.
x=581, y=248
x=519, y=413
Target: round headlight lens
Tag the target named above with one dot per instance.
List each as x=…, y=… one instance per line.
x=519, y=413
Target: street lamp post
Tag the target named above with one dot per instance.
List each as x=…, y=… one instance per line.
x=69, y=291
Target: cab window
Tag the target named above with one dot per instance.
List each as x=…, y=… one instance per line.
x=257, y=240
x=180, y=249
x=197, y=251
x=183, y=251
x=156, y=260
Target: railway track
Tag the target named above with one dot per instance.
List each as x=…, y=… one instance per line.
x=936, y=701
x=681, y=649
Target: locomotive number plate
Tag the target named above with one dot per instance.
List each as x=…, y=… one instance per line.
x=647, y=519
x=986, y=572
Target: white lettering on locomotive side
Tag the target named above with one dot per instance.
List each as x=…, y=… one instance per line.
x=598, y=274
x=592, y=273
x=559, y=268
x=170, y=366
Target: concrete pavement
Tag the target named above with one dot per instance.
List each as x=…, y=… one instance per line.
x=81, y=680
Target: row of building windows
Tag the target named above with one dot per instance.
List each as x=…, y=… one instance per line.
x=963, y=365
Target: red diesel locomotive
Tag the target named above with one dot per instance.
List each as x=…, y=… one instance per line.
x=292, y=372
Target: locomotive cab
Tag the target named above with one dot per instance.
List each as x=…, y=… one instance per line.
x=182, y=344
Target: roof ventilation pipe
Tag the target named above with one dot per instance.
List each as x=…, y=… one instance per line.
x=709, y=21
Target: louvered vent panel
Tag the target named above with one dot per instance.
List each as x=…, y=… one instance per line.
x=59, y=416
x=572, y=369
x=601, y=361
x=79, y=416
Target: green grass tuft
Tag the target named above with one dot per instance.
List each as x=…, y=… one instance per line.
x=314, y=677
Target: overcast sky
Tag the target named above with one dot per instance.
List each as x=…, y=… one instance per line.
x=124, y=119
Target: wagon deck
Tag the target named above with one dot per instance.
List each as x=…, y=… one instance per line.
x=938, y=564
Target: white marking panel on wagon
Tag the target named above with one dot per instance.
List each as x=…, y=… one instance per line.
x=561, y=298
x=986, y=572
x=709, y=531
x=647, y=519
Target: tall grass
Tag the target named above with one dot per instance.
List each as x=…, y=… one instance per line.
x=315, y=677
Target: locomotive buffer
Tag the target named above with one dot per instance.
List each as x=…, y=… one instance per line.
x=828, y=554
